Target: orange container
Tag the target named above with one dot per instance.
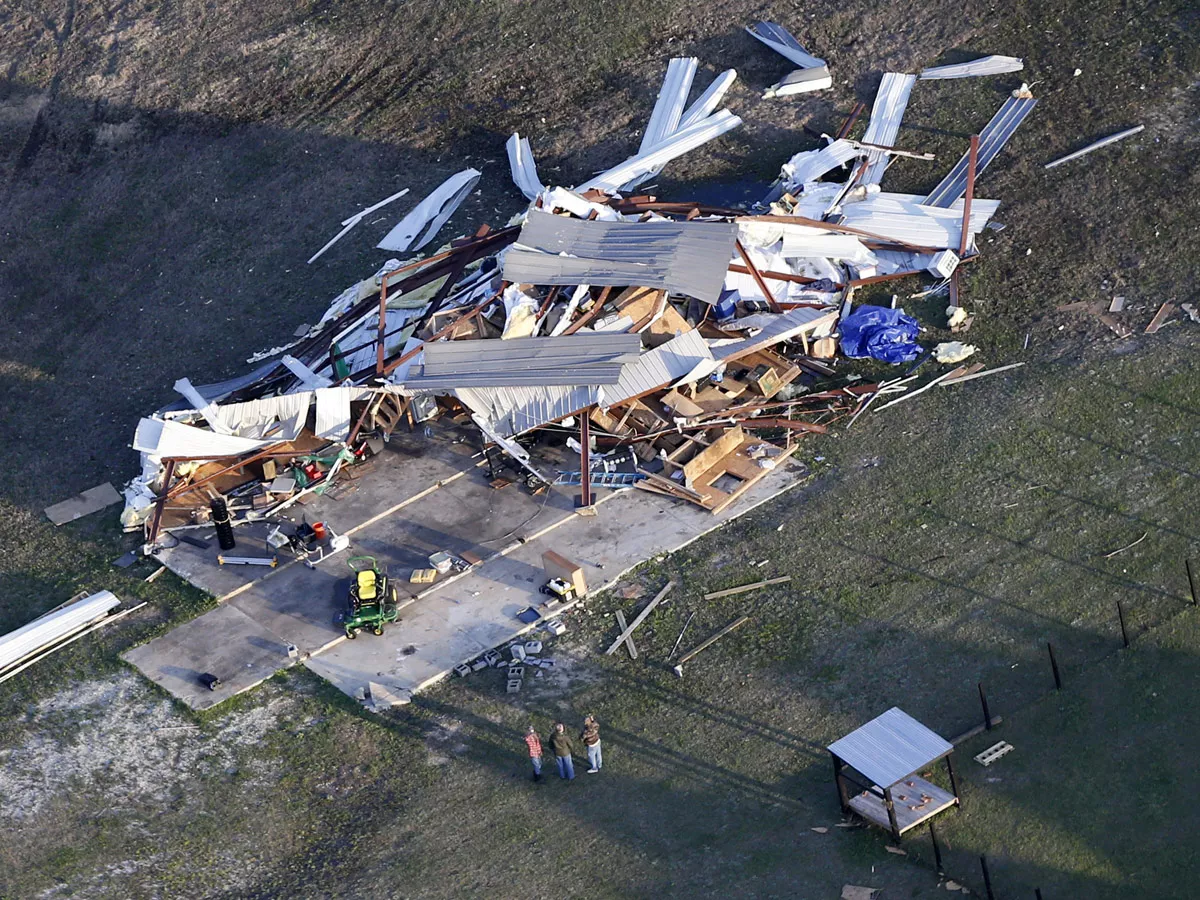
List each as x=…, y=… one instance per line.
x=319, y=531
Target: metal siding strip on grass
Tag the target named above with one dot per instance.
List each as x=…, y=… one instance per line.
x=993, y=137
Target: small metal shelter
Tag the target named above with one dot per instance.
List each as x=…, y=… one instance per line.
x=889, y=752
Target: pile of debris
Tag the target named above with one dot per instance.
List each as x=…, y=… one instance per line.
x=678, y=348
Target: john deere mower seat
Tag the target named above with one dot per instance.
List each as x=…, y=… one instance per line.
x=366, y=585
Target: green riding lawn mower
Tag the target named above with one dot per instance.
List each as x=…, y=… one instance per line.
x=372, y=600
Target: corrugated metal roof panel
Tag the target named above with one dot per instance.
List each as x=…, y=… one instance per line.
x=890, y=747
x=689, y=258
x=901, y=218
x=994, y=136
x=682, y=141
x=417, y=380
x=510, y=411
x=54, y=626
x=449, y=357
x=886, y=114
x=661, y=366
x=668, y=110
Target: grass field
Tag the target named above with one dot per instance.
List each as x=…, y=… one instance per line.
x=168, y=167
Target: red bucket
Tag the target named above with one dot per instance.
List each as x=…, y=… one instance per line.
x=319, y=531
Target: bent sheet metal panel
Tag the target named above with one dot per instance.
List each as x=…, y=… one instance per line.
x=685, y=257
x=511, y=411
x=987, y=65
x=449, y=357
x=890, y=747
x=890, y=103
x=901, y=217
x=681, y=142
x=668, y=110
x=994, y=136
x=781, y=41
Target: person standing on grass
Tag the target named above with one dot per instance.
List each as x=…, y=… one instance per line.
x=591, y=740
x=560, y=743
x=534, y=743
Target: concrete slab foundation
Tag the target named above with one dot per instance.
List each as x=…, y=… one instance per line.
x=445, y=504
x=224, y=642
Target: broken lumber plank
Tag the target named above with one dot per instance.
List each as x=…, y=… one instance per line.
x=917, y=392
x=629, y=645
x=90, y=501
x=983, y=374
x=641, y=617
x=1159, y=317
x=708, y=642
x=747, y=587
x=793, y=424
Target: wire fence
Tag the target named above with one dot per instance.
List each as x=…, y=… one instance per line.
x=1043, y=668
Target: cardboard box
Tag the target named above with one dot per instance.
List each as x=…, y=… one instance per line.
x=556, y=566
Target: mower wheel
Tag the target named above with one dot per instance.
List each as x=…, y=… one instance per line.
x=544, y=589
x=378, y=629
x=351, y=634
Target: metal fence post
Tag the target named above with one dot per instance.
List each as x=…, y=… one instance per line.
x=1121, y=616
x=987, y=716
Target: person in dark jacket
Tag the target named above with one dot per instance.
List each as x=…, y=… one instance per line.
x=560, y=743
x=591, y=742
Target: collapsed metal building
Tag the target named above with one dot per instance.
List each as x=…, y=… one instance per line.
x=694, y=343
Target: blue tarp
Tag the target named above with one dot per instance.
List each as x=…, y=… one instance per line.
x=880, y=333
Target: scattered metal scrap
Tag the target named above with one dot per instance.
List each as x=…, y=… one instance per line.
x=813, y=74
x=1103, y=142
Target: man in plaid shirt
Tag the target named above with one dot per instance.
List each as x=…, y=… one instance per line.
x=534, y=743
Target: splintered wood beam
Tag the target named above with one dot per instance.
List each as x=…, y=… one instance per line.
x=405, y=357
x=758, y=279
x=716, y=595
x=591, y=313
x=585, y=480
x=781, y=276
